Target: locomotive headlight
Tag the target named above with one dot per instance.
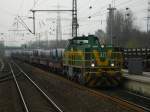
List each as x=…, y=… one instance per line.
x=92, y=65
x=102, y=46
x=112, y=65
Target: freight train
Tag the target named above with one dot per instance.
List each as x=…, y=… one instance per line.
x=140, y=53
x=84, y=60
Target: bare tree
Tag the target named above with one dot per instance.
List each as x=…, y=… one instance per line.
x=101, y=35
x=122, y=28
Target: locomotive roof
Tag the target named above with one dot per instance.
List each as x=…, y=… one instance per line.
x=84, y=37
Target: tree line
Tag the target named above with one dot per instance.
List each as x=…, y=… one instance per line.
x=123, y=31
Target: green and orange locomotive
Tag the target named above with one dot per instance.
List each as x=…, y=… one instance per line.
x=84, y=60
x=92, y=63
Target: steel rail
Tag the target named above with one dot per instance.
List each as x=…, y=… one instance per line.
x=18, y=87
x=131, y=103
x=45, y=95
x=144, y=97
x=123, y=103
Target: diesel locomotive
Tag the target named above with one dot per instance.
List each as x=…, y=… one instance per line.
x=92, y=63
x=84, y=60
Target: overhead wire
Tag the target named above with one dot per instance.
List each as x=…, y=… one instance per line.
x=85, y=9
x=98, y=13
x=125, y=3
x=103, y=9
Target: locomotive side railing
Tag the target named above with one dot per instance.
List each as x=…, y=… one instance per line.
x=85, y=59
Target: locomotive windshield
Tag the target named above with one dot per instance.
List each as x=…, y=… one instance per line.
x=84, y=42
x=80, y=41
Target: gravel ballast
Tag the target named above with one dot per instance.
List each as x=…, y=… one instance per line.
x=68, y=96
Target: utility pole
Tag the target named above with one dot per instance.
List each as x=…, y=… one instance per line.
x=39, y=41
x=148, y=17
x=111, y=17
x=58, y=27
x=74, y=19
x=33, y=22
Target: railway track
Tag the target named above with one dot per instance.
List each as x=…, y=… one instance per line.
x=5, y=73
x=124, y=103
x=2, y=65
x=129, y=97
x=32, y=96
x=124, y=98
x=120, y=101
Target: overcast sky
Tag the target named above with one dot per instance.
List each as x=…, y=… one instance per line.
x=9, y=9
